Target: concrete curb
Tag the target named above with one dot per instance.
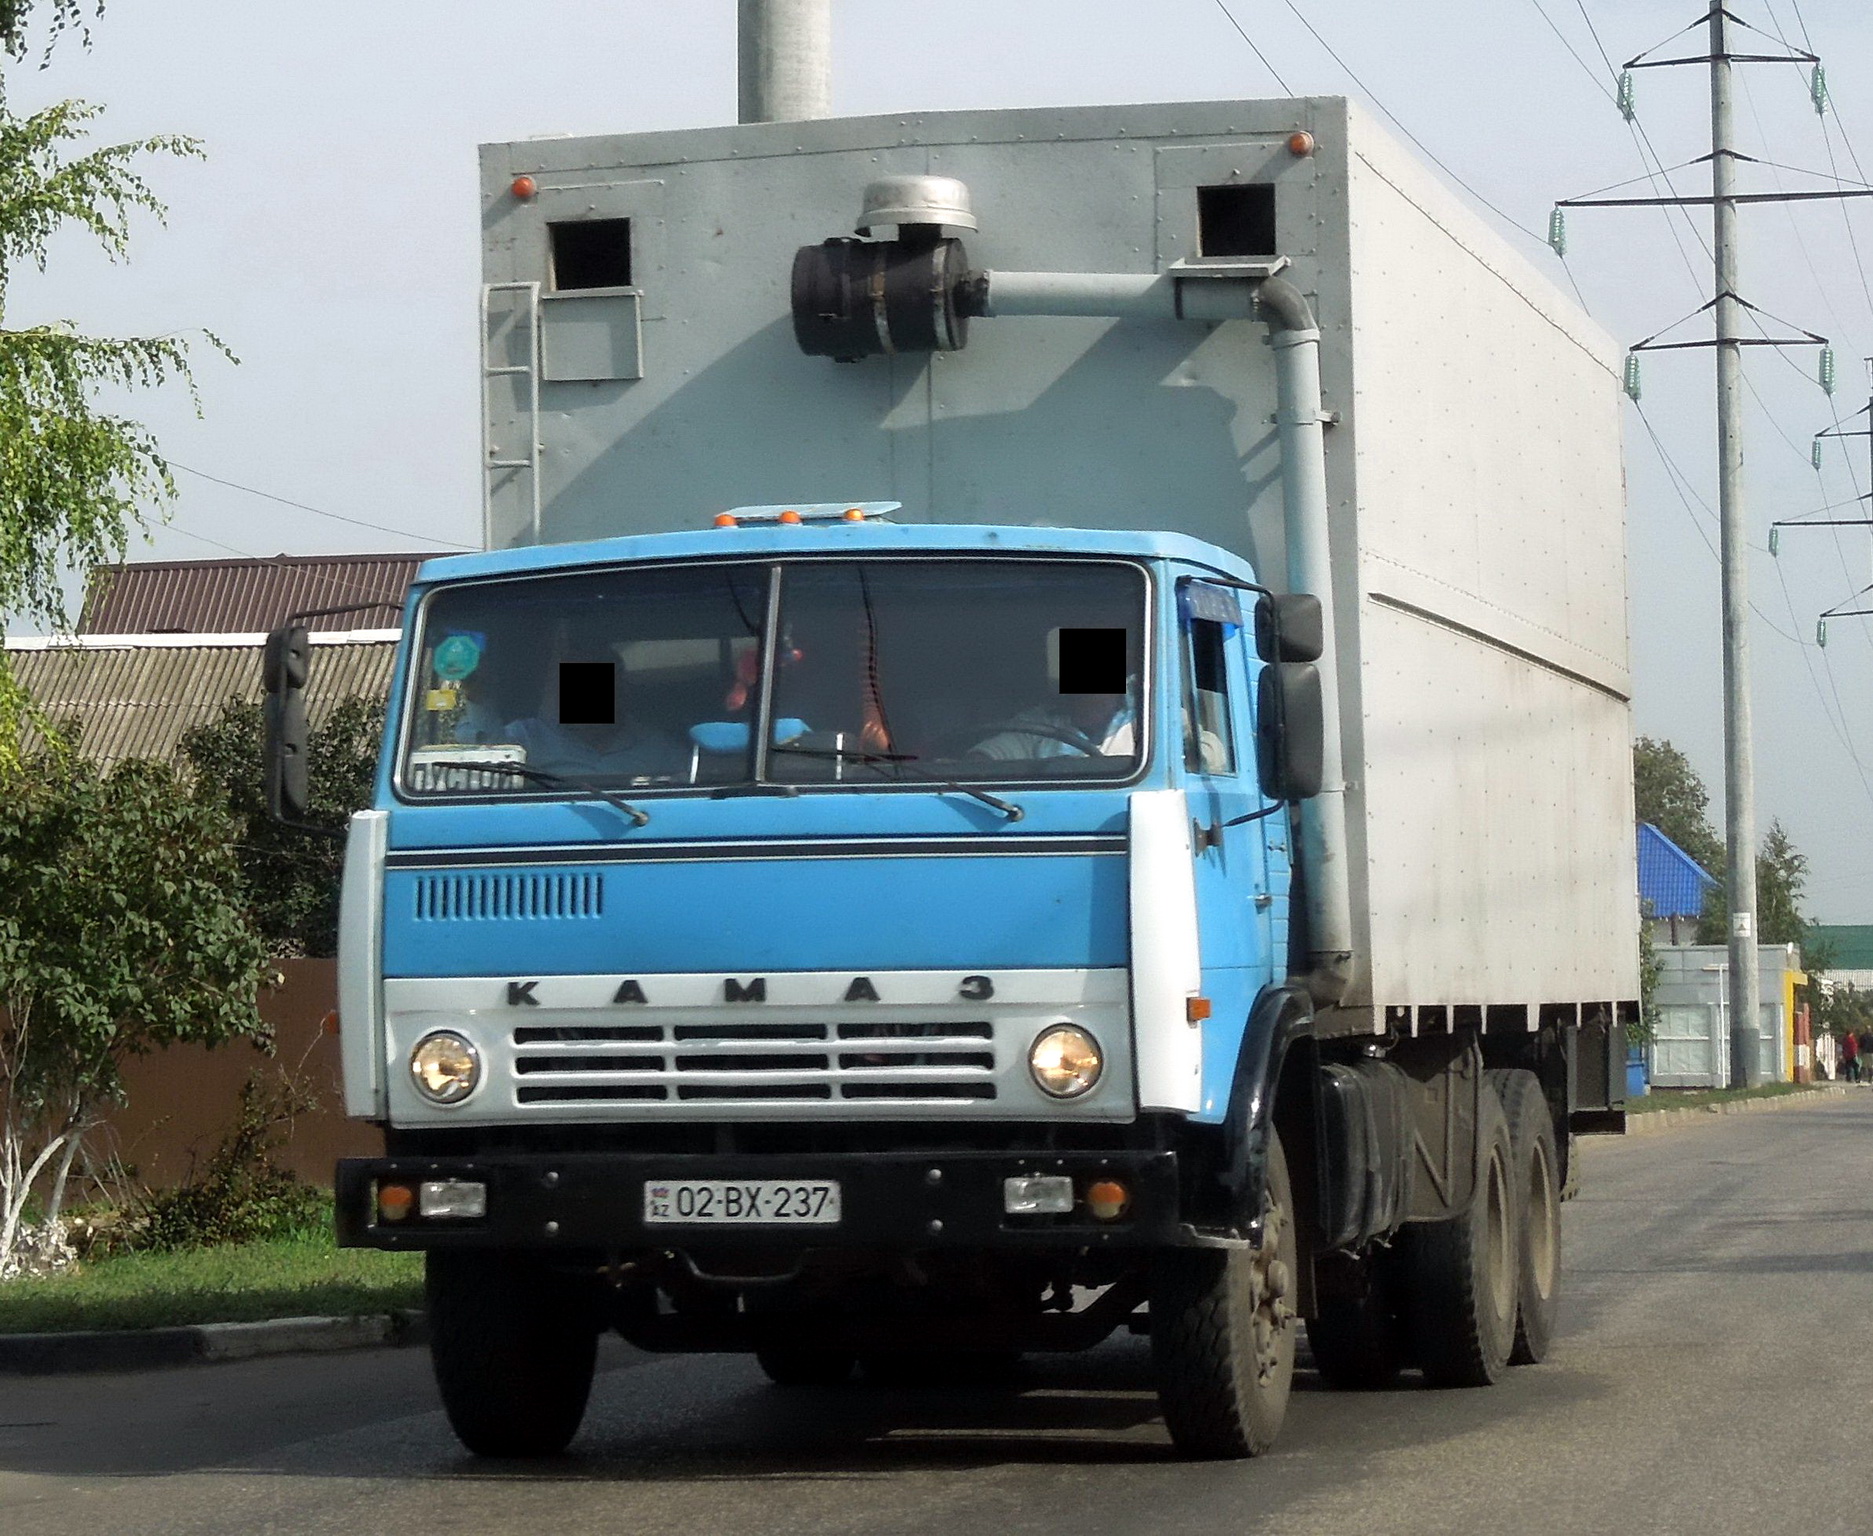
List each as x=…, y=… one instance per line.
x=1653, y=1122
x=45, y=1354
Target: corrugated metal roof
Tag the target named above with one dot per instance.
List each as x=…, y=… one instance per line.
x=198, y=597
x=1669, y=878
x=139, y=701
x=1852, y=944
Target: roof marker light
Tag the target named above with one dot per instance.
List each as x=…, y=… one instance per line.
x=854, y=514
x=524, y=187
x=789, y=516
x=1300, y=142
x=726, y=520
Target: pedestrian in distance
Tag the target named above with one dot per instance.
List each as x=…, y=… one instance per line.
x=1850, y=1057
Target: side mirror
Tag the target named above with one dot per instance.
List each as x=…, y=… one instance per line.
x=1289, y=730
x=283, y=669
x=1287, y=627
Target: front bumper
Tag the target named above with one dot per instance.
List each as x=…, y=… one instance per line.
x=890, y=1201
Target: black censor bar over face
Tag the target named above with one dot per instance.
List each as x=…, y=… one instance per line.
x=1092, y=661
x=588, y=692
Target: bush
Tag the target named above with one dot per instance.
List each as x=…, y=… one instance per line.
x=241, y=1194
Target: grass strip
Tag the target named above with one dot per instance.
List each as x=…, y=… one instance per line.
x=307, y=1276
x=1698, y=1098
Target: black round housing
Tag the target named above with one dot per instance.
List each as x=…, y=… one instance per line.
x=859, y=298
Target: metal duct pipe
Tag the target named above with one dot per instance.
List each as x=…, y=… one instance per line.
x=1301, y=425
x=784, y=51
x=1119, y=295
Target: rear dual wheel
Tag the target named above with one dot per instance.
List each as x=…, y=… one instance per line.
x=1464, y=1272
x=1537, y=1165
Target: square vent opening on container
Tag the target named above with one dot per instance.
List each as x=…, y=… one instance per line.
x=590, y=253
x=1236, y=219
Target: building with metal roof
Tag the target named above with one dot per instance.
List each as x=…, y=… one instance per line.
x=1672, y=884
x=138, y=695
x=197, y=597
x=1850, y=952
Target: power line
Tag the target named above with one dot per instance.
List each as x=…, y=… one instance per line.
x=1422, y=147
x=1686, y=493
x=356, y=522
x=1221, y=6
x=1827, y=139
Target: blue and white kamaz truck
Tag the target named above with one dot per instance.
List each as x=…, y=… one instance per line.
x=1040, y=748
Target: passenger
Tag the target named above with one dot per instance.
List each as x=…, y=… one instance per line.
x=628, y=748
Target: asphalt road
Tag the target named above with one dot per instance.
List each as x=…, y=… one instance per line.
x=1711, y=1377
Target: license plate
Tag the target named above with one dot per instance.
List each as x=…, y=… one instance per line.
x=743, y=1202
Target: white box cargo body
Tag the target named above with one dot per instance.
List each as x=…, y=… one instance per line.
x=642, y=374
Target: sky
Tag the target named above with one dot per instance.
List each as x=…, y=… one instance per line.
x=330, y=239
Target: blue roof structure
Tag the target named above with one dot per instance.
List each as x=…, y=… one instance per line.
x=1671, y=882
x=765, y=540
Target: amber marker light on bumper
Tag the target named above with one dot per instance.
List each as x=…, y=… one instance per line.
x=1108, y=1199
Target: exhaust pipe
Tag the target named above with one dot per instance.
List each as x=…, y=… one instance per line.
x=785, y=60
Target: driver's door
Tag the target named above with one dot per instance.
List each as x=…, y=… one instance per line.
x=1232, y=879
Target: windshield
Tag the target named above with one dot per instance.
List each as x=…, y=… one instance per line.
x=911, y=671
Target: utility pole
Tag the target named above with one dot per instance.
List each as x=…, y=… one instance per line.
x=784, y=52
x=1839, y=610
x=1739, y=788
x=1739, y=753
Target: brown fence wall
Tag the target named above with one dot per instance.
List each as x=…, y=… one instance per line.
x=182, y=1100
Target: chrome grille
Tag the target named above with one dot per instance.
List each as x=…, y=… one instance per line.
x=490, y=897
x=902, y=1061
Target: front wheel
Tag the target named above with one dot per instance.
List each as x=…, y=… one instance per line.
x=1223, y=1334
x=513, y=1351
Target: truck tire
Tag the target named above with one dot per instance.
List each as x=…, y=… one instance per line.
x=512, y=1350
x=1356, y=1335
x=1531, y=1131
x=1223, y=1334
x=1462, y=1270
x=805, y=1363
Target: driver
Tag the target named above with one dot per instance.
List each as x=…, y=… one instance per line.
x=1072, y=725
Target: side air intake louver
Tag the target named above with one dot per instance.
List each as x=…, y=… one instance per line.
x=508, y=898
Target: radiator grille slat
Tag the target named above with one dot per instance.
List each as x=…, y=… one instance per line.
x=899, y=1061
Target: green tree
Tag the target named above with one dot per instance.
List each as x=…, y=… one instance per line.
x=121, y=931
x=75, y=478
x=1781, y=874
x=1668, y=792
x=289, y=880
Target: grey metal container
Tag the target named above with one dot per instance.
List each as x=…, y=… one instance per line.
x=1474, y=470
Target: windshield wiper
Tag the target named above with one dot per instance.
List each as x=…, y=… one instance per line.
x=555, y=781
x=904, y=760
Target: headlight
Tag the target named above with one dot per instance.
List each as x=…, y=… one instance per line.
x=445, y=1067
x=1065, y=1061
